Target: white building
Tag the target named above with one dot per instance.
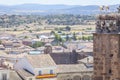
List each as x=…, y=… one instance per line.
x=39, y=66
x=4, y=74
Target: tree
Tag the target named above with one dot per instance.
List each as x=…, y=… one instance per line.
x=67, y=37
x=86, y=38
x=90, y=37
x=67, y=28
x=79, y=38
x=27, y=27
x=58, y=38
x=30, y=31
x=83, y=38
x=37, y=36
x=37, y=44
x=52, y=32
x=0, y=42
x=74, y=36
x=15, y=29
x=57, y=29
x=26, y=37
x=89, y=28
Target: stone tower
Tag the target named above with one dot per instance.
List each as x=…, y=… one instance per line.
x=107, y=47
x=48, y=49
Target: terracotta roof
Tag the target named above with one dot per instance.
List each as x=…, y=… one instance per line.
x=72, y=68
x=41, y=61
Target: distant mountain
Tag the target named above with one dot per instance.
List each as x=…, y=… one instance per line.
x=52, y=9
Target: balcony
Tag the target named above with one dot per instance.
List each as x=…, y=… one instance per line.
x=45, y=76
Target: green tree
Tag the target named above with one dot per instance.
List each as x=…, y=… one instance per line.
x=57, y=29
x=27, y=27
x=83, y=37
x=67, y=37
x=52, y=32
x=26, y=37
x=89, y=28
x=37, y=44
x=74, y=36
x=37, y=36
x=90, y=37
x=30, y=31
x=58, y=38
x=79, y=38
x=15, y=29
x=67, y=28
x=0, y=42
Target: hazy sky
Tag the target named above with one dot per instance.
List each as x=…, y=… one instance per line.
x=68, y=2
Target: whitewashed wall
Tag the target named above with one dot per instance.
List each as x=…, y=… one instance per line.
x=4, y=72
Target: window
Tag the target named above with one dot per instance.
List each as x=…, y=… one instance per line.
x=86, y=77
x=111, y=55
x=4, y=76
x=40, y=72
x=51, y=71
x=98, y=78
x=110, y=71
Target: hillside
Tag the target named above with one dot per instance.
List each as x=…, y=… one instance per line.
x=18, y=20
x=52, y=9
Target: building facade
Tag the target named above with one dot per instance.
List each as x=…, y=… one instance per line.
x=74, y=72
x=41, y=67
x=106, y=47
x=4, y=74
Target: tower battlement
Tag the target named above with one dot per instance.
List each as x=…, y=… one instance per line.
x=108, y=23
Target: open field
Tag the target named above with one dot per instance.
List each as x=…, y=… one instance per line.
x=47, y=28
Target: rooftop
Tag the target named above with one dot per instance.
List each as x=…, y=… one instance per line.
x=88, y=59
x=24, y=73
x=72, y=68
x=41, y=61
